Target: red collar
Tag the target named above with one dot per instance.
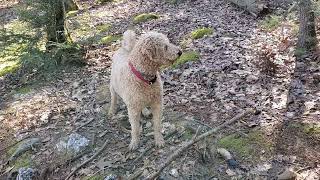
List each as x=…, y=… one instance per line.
x=140, y=76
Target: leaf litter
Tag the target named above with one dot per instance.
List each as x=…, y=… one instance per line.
x=230, y=75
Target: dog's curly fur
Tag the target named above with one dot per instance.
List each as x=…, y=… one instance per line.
x=147, y=54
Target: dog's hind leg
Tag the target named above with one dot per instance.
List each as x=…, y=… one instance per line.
x=134, y=119
x=113, y=102
x=156, y=109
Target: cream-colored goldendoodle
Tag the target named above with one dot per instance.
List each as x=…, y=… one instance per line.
x=135, y=78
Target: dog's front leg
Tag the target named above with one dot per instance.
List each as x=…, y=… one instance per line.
x=113, y=103
x=156, y=109
x=134, y=119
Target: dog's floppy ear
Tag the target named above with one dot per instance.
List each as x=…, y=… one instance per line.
x=149, y=48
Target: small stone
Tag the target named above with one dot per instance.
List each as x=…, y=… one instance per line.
x=252, y=79
x=174, y=173
x=146, y=113
x=148, y=125
x=290, y=114
x=230, y=172
x=76, y=84
x=45, y=117
x=184, y=101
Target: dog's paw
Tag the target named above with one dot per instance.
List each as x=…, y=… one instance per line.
x=159, y=141
x=133, y=145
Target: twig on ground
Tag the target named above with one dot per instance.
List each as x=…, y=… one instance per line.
x=170, y=134
x=104, y=133
x=88, y=160
x=84, y=124
x=202, y=123
x=236, y=130
x=137, y=174
x=188, y=144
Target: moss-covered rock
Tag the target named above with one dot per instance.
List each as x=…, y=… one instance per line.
x=245, y=146
x=186, y=57
x=145, y=17
x=311, y=129
x=71, y=14
x=201, y=32
x=8, y=67
x=109, y=39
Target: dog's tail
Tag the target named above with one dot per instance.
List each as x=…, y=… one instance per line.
x=129, y=40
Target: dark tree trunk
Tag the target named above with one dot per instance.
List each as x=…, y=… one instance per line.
x=307, y=31
x=56, y=30
x=255, y=7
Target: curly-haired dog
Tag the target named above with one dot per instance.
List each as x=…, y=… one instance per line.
x=135, y=78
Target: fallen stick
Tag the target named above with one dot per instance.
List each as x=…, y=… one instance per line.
x=152, y=146
x=84, y=124
x=178, y=152
x=88, y=160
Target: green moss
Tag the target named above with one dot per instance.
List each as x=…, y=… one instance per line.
x=109, y=39
x=186, y=57
x=234, y=143
x=311, y=129
x=145, y=17
x=271, y=22
x=103, y=27
x=6, y=68
x=245, y=146
x=71, y=14
x=200, y=32
x=188, y=134
x=300, y=52
x=23, y=161
x=24, y=90
x=103, y=1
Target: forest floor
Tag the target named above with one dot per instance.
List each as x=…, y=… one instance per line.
x=246, y=62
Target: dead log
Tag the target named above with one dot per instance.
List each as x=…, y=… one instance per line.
x=254, y=7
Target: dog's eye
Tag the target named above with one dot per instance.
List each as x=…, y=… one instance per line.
x=166, y=47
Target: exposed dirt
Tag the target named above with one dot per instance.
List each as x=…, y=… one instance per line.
x=231, y=75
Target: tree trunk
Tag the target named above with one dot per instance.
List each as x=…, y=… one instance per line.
x=56, y=30
x=254, y=7
x=307, y=39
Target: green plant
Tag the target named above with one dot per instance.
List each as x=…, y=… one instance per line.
x=300, y=52
x=271, y=22
x=186, y=57
x=109, y=39
x=144, y=17
x=200, y=32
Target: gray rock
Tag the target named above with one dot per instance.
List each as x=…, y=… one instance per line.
x=25, y=174
x=111, y=177
x=174, y=173
x=72, y=144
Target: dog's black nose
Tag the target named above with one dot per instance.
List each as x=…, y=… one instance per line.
x=180, y=53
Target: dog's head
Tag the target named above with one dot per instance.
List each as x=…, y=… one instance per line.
x=157, y=47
